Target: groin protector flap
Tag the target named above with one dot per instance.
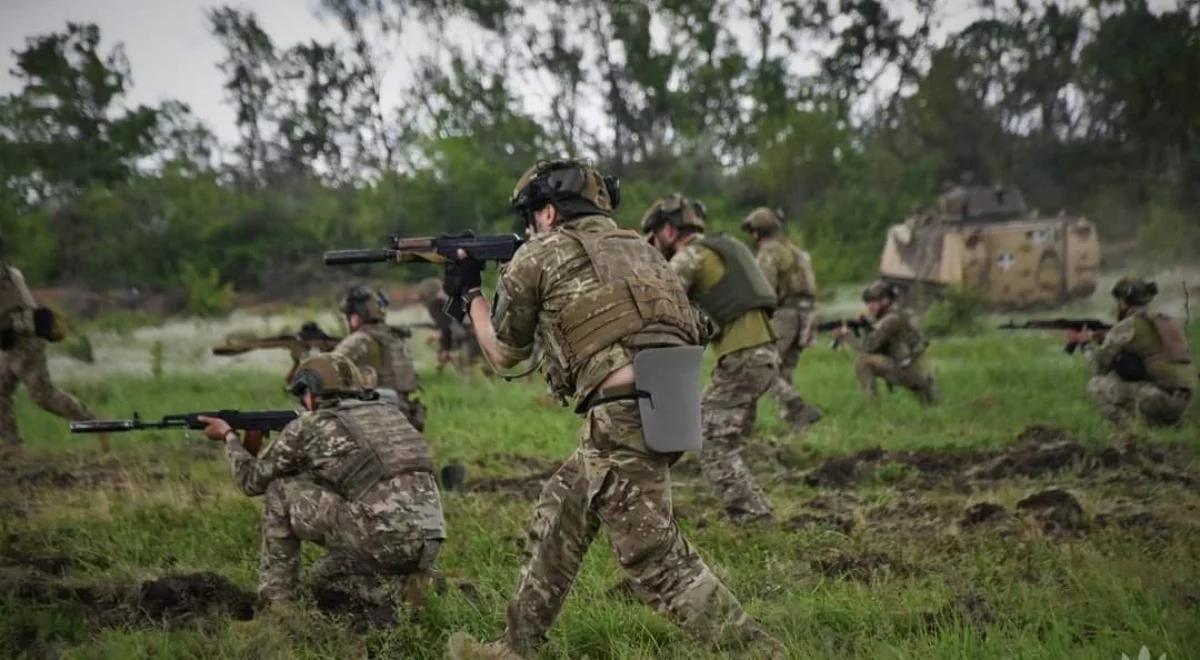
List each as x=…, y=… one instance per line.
x=670, y=408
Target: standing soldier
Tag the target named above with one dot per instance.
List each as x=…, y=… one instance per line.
x=24, y=331
x=350, y=474
x=1143, y=365
x=892, y=349
x=598, y=298
x=721, y=277
x=452, y=337
x=372, y=343
x=788, y=270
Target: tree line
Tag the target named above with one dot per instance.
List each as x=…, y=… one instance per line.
x=844, y=113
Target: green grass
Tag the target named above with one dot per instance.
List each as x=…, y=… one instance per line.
x=165, y=503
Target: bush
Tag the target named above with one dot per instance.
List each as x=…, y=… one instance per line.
x=956, y=312
x=206, y=295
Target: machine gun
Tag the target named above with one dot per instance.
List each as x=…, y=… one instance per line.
x=1061, y=324
x=857, y=326
x=260, y=423
x=434, y=250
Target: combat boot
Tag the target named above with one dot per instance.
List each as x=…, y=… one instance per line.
x=465, y=647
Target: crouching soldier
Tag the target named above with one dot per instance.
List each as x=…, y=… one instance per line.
x=350, y=474
x=892, y=349
x=1143, y=366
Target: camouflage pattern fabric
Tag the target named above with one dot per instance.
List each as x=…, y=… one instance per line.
x=791, y=327
x=393, y=529
x=728, y=412
x=610, y=482
x=870, y=367
x=1122, y=401
x=25, y=363
x=375, y=345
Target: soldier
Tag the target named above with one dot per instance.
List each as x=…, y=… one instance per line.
x=350, y=474
x=452, y=337
x=24, y=330
x=721, y=277
x=1143, y=365
x=788, y=270
x=372, y=343
x=893, y=349
x=596, y=296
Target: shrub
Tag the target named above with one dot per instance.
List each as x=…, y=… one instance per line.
x=206, y=295
x=956, y=312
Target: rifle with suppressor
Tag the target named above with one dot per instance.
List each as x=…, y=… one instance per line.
x=434, y=250
x=310, y=336
x=857, y=326
x=261, y=423
x=1061, y=324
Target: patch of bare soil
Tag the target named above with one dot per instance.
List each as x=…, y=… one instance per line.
x=527, y=486
x=48, y=473
x=361, y=614
x=1057, y=510
x=984, y=514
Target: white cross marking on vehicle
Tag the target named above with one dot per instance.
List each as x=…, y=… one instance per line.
x=1006, y=261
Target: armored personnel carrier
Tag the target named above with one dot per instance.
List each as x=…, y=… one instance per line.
x=987, y=239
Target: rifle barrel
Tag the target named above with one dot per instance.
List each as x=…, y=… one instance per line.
x=105, y=426
x=344, y=257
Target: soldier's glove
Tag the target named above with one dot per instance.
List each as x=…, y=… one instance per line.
x=461, y=276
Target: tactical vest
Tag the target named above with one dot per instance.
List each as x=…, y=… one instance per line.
x=909, y=343
x=386, y=446
x=796, y=282
x=393, y=366
x=639, y=303
x=1160, y=345
x=742, y=287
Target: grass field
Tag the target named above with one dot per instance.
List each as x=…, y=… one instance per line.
x=893, y=554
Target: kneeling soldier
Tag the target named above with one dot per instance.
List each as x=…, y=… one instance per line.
x=350, y=474
x=893, y=349
x=1143, y=366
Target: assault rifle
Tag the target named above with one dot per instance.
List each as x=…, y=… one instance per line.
x=259, y=423
x=857, y=326
x=1061, y=324
x=310, y=336
x=434, y=250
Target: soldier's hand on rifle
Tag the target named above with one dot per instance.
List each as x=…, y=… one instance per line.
x=215, y=427
x=841, y=332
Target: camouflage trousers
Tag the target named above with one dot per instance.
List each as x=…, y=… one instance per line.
x=26, y=363
x=360, y=561
x=728, y=412
x=1120, y=401
x=916, y=377
x=612, y=481
x=789, y=324
x=413, y=409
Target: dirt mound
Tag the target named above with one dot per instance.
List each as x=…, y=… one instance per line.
x=527, y=487
x=194, y=594
x=1057, y=510
x=360, y=613
x=984, y=513
x=864, y=567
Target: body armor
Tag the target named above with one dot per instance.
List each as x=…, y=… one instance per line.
x=393, y=366
x=1160, y=345
x=796, y=285
x=742, y=287
x=385, y=446
x=638, y=304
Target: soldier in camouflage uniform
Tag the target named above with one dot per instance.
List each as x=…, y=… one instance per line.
x=352, y=475
x=721, y=277
x=452, y=337
x=1143, y=367
x=892, y=349
x=594, y=295
x=788, y=270
x=23, y=357
x=373, y=343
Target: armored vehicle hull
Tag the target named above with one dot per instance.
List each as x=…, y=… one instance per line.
x=985, y=239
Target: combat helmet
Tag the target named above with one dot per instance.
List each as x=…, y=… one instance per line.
x=763, y=220
x=1135, y=291
x=575, y=187
x=677, y=211
x=878, y=290
x=329, y=376
x=368, y=304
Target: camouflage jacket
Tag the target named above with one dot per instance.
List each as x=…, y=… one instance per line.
x=552, y=271
x=385, y=351
x=321, y=446
x=789, y=271
x=896, y=335
x=1141, y=334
